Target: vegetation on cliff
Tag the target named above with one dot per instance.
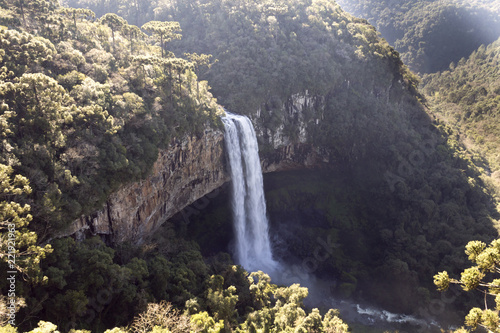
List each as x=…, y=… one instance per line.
x=92, y=287
x=418, y=186
x=85, y=106
x=467, y=96
x=430, y=34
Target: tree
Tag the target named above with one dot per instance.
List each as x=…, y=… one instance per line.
x=20, y=52
x=333, y=324
x=45, y=327
x=77, y=13
x=261, y=289
x=21, y=5
x=42, y=107
x=115, y=23
x=199, y=61
x=164, y=31
x=222, y=301
x=133, y=34
x=203, y=323
x=487, y=260
x=34, y=7
x=281, y=310
x=178, y=65
x=161, y=316
x=18, y=245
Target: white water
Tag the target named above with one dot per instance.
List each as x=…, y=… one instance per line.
x=377, y=315
x=253, y=247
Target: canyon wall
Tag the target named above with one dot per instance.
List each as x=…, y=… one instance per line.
x=185, y=172
x=189, y=169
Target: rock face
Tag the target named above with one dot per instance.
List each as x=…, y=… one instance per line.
x=284, y=152
x=291, y=114
x=294, y=156
x=188, y=170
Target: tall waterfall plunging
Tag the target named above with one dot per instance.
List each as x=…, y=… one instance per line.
x=253, y=247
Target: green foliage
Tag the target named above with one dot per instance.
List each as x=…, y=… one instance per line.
x=371, y=241
x=45, y=327
x=471, y=278
x=18, y=248
x=313, y=73
x=285, y=313
x=266, y=52
x=431, y=34
x=22, y=52
x=467, y=98
x=486, y=260
x=30, y=11
x=114, y=22
x=202, y=322
x=333, y=324
x=89, y=290
x=80, y=115
x=260, y=288
x=164, y=31
x=8, y=329
x=77, y=14
x=222, y=301
x=116, y=330
x=442, y=281
x=90, y=110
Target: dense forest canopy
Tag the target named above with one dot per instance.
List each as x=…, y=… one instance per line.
x=467, y=96
x=83, y=112
x=272, y=50
x=430, y=34
x=89, y=94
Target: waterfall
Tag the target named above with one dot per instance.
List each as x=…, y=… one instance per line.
x=253, y=247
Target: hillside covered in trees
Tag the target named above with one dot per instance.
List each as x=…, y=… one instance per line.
x=89, y=97
x=467, y=97
x=86, y=104
x=430, y=34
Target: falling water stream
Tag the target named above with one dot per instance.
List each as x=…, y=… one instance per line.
x=253, y=247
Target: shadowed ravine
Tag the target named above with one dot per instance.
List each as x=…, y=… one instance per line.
x=252, y=244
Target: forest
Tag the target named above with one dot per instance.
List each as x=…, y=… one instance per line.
x=430, y=34
x=91, y=91
x=467, y=96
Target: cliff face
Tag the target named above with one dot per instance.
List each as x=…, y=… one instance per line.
x=188, y=170
x=185, y=172
x=287, y=146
